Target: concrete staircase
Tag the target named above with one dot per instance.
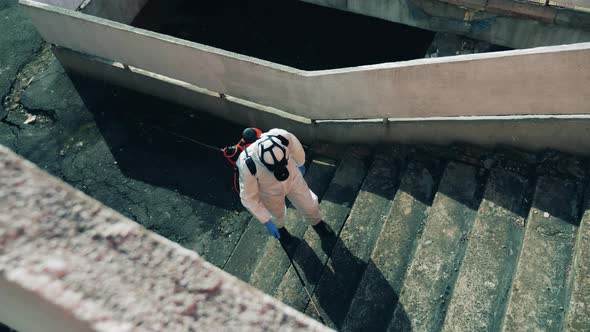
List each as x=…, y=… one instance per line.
x=430, y=239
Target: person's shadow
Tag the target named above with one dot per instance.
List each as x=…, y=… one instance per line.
x=153, y=140
x=342, y=305
x=354, y=294
x=140, y=132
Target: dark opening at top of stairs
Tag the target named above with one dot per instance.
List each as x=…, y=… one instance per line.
x=288, y=32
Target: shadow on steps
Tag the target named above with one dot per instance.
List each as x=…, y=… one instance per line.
x=334, y=312
x=179, y=189
x=139, y=131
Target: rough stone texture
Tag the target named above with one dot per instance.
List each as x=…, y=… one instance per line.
x=314, y=251
x=430, y=277
x=101, y=139
x=382, y=281
x=18, y=47
x=485, y=277
x=539, y=290
x=19, y=44
x=98, y=140
x=352, y=251
x=111, y=273
x=578, y=316
x=247, y=253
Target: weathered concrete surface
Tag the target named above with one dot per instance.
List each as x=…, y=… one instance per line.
x=350, y=256
x=102, y=140
x=485, y=276
x=430, y=278
x=565, y=133
x=578, y=315
x=314, y=250
x=19, y=44
x=94, y=139
x=378, y=291
x=105, y=272
x=158, y=193
x=249, y=249
x=540, y=286
x=274, y=263
x=509, y=23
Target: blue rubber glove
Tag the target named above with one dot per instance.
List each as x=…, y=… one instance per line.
x=302, y=169
x=273, y=230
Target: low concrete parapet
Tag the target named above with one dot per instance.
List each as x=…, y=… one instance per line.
x=548, y=80
x=534, y=98
x=570, y=133
x=68, y=263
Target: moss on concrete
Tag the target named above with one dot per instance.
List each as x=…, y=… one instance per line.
x=480, y=294
x=431, y=275
x=352, y=251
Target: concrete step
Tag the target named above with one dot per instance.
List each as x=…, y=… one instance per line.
x=351, y=253
x=255, y=240
x=248, y=250
x=274, y=262
x=379, y=288
x=578, y=313
x=313, y=252
x=431, y=276
x=538, y=295
x=486, y=273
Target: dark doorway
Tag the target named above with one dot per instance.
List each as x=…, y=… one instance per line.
x=289, y=32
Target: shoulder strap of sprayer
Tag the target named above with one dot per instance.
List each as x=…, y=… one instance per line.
x=250, y=162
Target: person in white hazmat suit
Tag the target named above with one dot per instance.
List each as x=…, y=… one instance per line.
x=271, y=169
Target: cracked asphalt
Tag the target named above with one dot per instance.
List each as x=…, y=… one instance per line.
x=115, y=145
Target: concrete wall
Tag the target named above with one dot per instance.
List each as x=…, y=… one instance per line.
x=115, y=10
x=68, y=263
x=570, y=133
x=551, y=80
x=67, y=4
x=494, y=21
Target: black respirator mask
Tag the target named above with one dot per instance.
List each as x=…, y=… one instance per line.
x=273, y=154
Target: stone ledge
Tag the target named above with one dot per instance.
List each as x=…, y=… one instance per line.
x=84, y=266
x=470, y=4
x=573, y=18
x=516, y=8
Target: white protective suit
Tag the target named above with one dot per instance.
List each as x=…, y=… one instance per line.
x=264, y=196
